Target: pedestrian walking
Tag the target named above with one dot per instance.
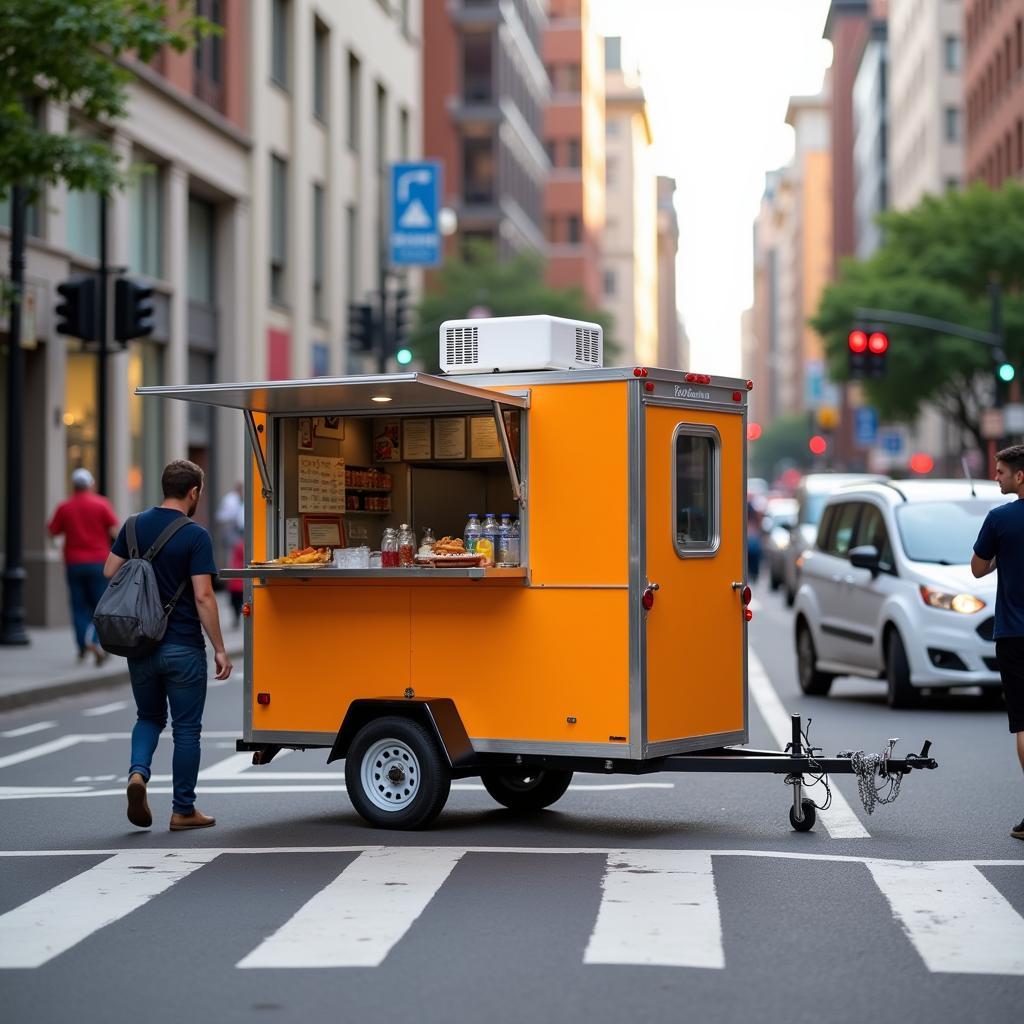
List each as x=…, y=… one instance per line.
x=87, y=523
x=236, y=588
x=230, y=520
x=1000, y=548
x=174, y=675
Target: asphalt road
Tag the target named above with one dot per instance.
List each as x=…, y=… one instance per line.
x=657, y=898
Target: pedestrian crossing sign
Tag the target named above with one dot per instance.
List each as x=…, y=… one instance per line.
x=415, y=239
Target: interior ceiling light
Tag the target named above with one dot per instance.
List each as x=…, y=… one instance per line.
x=380, y=398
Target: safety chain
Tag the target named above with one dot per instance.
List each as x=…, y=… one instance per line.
x=866, y=767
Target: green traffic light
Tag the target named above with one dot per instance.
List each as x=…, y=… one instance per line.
x=404, y=356
x=1006, y=372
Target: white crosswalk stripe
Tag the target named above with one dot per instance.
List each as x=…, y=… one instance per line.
x=60, y=918
x=954, y=916
x=658, y=907
x=355, y=921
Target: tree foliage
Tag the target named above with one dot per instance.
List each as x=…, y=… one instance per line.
x=512, y=288
x=936, y=260
x=66, y=51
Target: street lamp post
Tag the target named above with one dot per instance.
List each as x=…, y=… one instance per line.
x=12, y=616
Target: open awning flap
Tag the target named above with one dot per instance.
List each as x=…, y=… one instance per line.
x=408, y=393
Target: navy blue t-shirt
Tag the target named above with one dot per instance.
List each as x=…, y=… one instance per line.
x=188, y=553
x=1002, y=538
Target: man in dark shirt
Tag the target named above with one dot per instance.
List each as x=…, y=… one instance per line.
x=175, y=673
x=1000, y=544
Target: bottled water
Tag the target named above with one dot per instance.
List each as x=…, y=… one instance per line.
x=487, y=545
x=514, y=545
x=504, y=539
x=471, y=534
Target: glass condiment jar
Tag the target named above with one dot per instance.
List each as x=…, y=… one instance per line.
x=389, y=549
x=428, y=539
x=406, y=545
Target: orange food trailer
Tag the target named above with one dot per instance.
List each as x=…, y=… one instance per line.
x=616, y=644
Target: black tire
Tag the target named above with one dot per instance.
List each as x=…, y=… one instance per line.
x=526, y=789
x=774, y=582
x=809, y=818
x=812, y=682
x=899, y=692
x=790, y=596
x=418, y=778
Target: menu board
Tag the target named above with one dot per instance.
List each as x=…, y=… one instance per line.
x=450, y=437
x=416, y=440
x=483, y=438
x=321, y=484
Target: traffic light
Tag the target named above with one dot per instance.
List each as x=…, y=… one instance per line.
x=77, y=313
x=402, y=316
x=360, y=327
x=866, y=353
x=818, y=445
x=133, y=309
x=1005, y=371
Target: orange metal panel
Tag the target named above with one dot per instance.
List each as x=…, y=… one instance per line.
x=579, y=465
x=258, y=513
x=696, y=631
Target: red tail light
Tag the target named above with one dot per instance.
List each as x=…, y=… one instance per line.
x=698, y=378
x=746, y=595
x=262, y=698
x=648, y=599
x=247, y=609
x=639, y=371
x=747, y=614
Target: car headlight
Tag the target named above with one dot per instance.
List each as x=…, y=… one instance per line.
x=966, y=604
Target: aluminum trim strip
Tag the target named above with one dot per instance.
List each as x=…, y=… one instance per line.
x=619, y=751
x=664, y=748
x=637, y=483
x=247, y=690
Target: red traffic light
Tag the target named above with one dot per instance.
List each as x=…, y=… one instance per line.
x=922, y=463
x=858, y=341
x=753, y=431
x=878, y=342
x=818, y=444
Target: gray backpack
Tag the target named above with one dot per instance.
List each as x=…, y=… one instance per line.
x=130, y=618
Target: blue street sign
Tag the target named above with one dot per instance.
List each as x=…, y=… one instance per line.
x=865, y=426
x=415, y=202
x=891, y=441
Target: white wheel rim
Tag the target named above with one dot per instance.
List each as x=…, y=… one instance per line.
x=390, y=775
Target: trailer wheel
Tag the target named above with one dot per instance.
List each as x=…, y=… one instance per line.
x=395, y=775
x=810, y=816
x=526, y=789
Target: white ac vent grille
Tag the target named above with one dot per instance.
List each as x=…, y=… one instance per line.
x=587, y=345
x=463, y=344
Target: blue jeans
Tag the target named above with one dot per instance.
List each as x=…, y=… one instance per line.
x=172, y=675
x=86, y=584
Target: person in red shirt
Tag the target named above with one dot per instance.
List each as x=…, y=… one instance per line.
x=88, y=525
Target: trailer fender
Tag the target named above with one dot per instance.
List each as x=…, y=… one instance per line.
x=438, y=714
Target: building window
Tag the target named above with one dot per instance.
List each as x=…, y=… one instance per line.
x=279, y=42
x=321, y=51
x=80, y=419
x=201, y=251
x=278, y=229
x=478, y=169
x=319, y=214
x=208, y=57
x=952, y=184
x=953, y=125
x=952, y=50
x=574, y=229
x=609, y=282
x=565, y=77
x=477, y=70
x=83, y=213
x=611, y=172
x=573, y=153
x=551, y=148
x=147, y=236
x=351, y=252
x=381, y=125
x=612, y=127
x=320, y=359
x=403, y=133
x=354, y=101
x=146, y=423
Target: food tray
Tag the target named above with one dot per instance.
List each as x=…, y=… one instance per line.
x=440, y=561
x=291, y=565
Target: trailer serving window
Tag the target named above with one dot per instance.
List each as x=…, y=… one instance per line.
x=696, y=490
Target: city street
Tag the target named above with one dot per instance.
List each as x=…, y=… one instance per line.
x=632, y=897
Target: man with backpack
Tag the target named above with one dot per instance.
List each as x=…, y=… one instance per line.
x=159, y=601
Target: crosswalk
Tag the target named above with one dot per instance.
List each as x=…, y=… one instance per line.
x=656, y=907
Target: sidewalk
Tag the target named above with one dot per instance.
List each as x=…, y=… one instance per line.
x=48, y=667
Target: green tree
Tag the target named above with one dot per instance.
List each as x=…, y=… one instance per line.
x=68, y=51
x=936, y=260
x=512, y=288
x=784, y=441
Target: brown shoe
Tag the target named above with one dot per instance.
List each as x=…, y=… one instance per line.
x=138, y=805
x=183, y=822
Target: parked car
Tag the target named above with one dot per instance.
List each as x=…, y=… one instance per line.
x=811, y=496
x=780, y=516
x=887, y=590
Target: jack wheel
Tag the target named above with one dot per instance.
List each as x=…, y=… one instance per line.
x=809, y=818
x=527, y=789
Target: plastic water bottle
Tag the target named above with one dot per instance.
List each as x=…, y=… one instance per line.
x=504, y=540
x=514, y=544
x=488, y=542
x=471, y=534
